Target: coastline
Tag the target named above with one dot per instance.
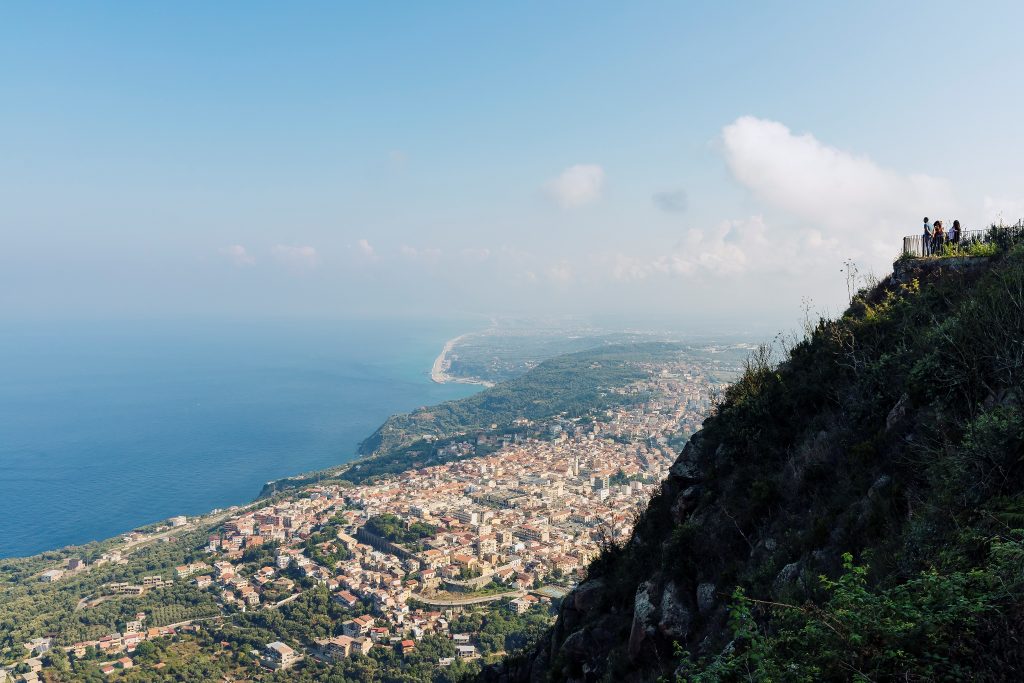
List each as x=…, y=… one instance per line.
x=257, y=428
x=438, y=375
x=439, y=370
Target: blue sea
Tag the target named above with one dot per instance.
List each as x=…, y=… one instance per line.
x=105, y=427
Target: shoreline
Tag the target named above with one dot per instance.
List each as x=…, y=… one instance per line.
x=439, y=370
x=437, y=375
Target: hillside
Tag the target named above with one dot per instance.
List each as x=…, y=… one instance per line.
x=852, y=512
x=213, y=590
x=572, y=383
x=574, y=386
x=571, y=387
x=512, y=348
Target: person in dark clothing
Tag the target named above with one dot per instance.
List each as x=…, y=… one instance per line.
x=954, y=235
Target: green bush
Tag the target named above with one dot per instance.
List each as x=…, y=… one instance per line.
x=926, y=628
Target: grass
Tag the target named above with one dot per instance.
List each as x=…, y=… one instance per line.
x=972, y=248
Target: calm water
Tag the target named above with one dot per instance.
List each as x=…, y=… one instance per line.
x=107, y=427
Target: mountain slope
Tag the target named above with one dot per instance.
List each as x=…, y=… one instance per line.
x=851, y=513
x=572, y=386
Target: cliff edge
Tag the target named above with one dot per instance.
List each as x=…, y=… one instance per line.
x=851, y=512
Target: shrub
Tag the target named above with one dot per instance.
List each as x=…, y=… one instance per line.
x=925, y=628
x=981, y=249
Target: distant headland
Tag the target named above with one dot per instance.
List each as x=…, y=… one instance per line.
x=439, y=371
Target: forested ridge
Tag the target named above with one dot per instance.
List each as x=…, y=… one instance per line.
x=573, y=385
x=853, y=510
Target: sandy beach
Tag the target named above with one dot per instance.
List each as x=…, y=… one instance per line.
x=439, y=371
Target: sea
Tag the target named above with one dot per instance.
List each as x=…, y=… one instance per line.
x=108, y=426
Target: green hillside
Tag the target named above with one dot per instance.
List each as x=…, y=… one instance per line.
x=852, y=512
x=574, y=385
x=571, y=386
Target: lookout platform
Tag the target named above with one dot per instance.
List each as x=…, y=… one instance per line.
x=968, y=243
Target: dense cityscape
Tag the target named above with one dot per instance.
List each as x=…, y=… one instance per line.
x=402, y=556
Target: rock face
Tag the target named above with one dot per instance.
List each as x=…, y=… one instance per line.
x=706, y=598
x=660, y=611
x=897, y=413
x=666, y=587
x=643, y=619
x=787, y=577
x=822, y=455
x=587, y=595
x=907, y=270
x=674, y=614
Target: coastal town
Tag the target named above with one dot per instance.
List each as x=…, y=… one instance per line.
x=401, y=556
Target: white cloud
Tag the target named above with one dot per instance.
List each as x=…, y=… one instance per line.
x=1001, y=210
x=366, y=248
x=560, y=272
x=297, y=257
x=475, y=253
x=426, y=254
x=626, y=267
x=732, y=248
x=849, y=198
x=576, y=185
x=238, y=255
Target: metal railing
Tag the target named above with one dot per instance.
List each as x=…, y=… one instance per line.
x=914, y=245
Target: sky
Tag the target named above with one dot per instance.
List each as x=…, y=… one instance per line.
x=685, y=162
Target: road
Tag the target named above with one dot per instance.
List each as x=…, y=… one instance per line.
x=477, y=600
x=145, y=539
x=89, y=601
x=290, y=598
x=190, y=526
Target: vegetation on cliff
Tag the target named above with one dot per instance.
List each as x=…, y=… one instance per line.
x=852, y=512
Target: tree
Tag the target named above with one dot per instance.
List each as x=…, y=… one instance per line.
x=146, y=650
x=58, y=659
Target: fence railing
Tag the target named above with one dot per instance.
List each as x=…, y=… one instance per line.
x=916, y=246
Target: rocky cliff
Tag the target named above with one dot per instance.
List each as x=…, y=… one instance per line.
x=850, y=511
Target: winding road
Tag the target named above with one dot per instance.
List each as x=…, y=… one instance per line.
x=472, y=600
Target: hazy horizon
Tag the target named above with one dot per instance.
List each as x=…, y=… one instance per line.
x=709, y=165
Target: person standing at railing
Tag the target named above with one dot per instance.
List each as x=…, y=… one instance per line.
x=954, y=235
x=938, y=237
x=926, y=238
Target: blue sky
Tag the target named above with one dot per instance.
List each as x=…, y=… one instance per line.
x=657, y=160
